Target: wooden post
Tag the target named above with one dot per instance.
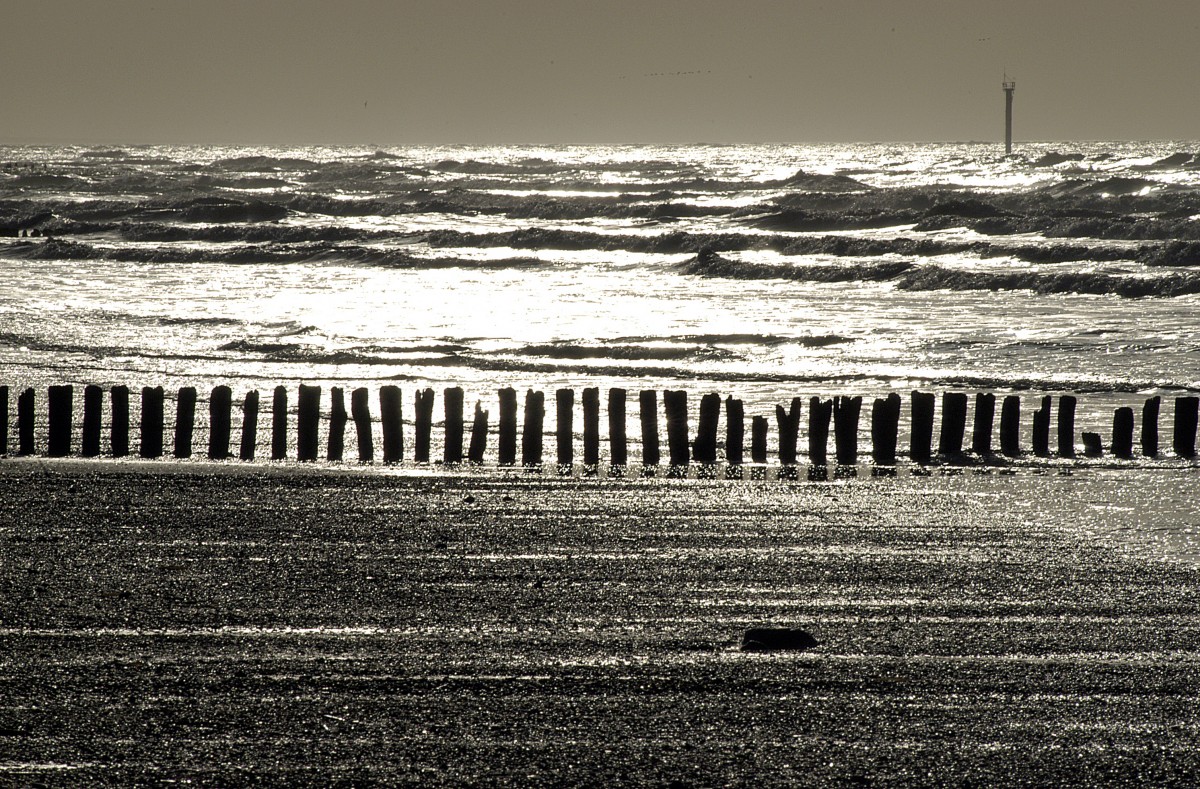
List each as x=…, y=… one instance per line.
x=531, y=434
x=819, y=413
x=704, y=449
x=676, y=411
x=360, y=412
x=185, y=421
x=220, y=406
x=564, y=405
x=391, y=420
x=279, y=424
x=93, y=403
x=735, y=431
x=119, y=434
x=846, y=411
x=1122, y=445
x=1010, y=426
x=618, y=444
x=1187, y=409
x=591, y=428
x=1150, y=426
x=479, y=429
x=1093, y=447
x=1066, y=425
x=337, y=424
x=506, y=440
x=759, y=427
x=152, y=422
x=61, y=402
x=249, y=426
x=3, y=421
x=954, y=425
x=1041, y=428
x=25, y=423
x=885, y=429
x=920, y=444
x=788, y=423
x=452, y=407
x=308, y=423
x=985, y=418
x=648, y=411
x=422, y=424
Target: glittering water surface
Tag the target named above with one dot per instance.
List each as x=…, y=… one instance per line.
x=767, y=272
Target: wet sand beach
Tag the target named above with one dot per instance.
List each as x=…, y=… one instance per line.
x=229, y=625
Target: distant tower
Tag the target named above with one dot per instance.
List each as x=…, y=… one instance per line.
x=1009, y=87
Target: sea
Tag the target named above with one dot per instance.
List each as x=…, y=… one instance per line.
x=762, y=272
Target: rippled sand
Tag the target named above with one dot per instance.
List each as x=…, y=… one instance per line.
x=225, y=624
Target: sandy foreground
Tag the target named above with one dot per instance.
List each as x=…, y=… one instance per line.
x=231, y=625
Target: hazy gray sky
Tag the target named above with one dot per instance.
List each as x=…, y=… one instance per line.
x=433, y=71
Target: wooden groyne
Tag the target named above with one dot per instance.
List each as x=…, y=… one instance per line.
x=693, y=437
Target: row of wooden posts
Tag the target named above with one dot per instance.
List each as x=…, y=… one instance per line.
x=841, y=412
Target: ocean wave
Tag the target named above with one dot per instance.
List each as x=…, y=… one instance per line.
x=1080, y=283
x=59, y=249
x=572, y=350
x=709, y=264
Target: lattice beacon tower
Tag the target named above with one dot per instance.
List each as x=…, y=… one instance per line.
x=1009, y=87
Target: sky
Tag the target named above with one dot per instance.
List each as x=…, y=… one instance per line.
x=414, y=72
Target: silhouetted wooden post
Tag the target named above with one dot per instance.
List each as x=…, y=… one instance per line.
x=506, y=439
x=1093, y=447
x=1122, y=445
x=985, y=417
x=788, y=423
x=885, y=429
x=676, y=411
x=954, y=425
x=1187, y=409
x=704, y=449
x=920, y=443
x=25, y=423
x=3, y=421
x=391, y=421
x=220, y=408
x=648, y=413
x=422, y=424
x=249, y=426
x=93, y=403
x=1041, y=428
x=591, y=429
x=846, y=411
x=185, y=421
x=452, y=448
x=249, y=440
x=618, y=444
x=479, y=427
x=531, y=435
x=735, y=431
x=1010, y=426
x=1066, y=425
x=308, y=423
x=819, y=413
x=279, y=424
x=61, y=401
x=1150, y=426
x=118, y=398
x=564, y=410
x=152, y=422
x=759, y=428
x=337, y=424
x=360, y=412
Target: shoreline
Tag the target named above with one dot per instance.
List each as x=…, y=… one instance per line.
x=294, y=625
